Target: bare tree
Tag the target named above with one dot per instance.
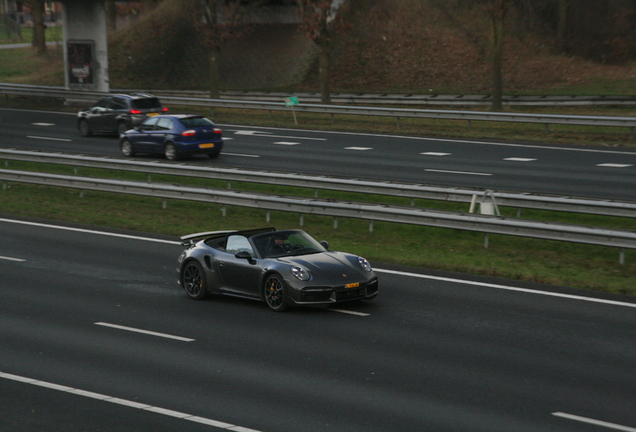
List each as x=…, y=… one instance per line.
x=497, y=11
x=318, y=22
x=39, y=38
x=214, y=33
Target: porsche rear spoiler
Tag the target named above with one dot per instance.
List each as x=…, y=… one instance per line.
x=189, y=239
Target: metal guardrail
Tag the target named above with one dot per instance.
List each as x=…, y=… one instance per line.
x=407, y=215
x=409, y=98
x=406, y=190
x=398, y=113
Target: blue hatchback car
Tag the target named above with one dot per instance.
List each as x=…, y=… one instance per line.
x=173, y=136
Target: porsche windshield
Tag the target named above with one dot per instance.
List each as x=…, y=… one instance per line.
x=286, y=243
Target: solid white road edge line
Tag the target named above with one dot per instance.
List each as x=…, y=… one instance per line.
x=594, y=422
x=416, y=275
x=131, y=404
x=88, y=231
x=509, y=288
x=136, y=330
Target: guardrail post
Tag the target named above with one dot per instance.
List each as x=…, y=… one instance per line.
x=335, y=222
x=486, y=241
x=267, y=216
x=370, y=226
x=223, y=211
x=621, y=256
x=302, y=220
x=4, y=185
x=164, y=204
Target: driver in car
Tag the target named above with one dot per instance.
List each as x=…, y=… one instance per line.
x=278, y=247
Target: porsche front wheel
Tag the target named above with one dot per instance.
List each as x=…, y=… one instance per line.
x=193, y=280
x=274, y=293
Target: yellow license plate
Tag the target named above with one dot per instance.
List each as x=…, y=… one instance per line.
x=352, y=285
x=209, y=145
x=152, y=114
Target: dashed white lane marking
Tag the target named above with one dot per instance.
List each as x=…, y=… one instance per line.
x=287, y=143
x=48, y=138
x=519, y=159
x=614, y=165
x=43, y=124
x=240, y=154
x=12, y=259
x=458, y=172
x=595, y=422
x=270, y=135
x=349, y=312
x=435, y=154
x=136, y=330
x=128, y=403
x=359, y=148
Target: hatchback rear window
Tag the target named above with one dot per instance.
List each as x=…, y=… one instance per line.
x=146, y=103
x=196, y=121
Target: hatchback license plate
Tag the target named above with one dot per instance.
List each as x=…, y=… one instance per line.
x=209, y=145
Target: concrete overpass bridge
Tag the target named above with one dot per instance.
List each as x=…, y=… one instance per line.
x=86, y=45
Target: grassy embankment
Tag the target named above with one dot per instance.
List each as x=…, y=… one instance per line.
x=557, y=263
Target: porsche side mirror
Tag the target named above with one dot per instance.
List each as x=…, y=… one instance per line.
x=244, y=255
x=325, y=244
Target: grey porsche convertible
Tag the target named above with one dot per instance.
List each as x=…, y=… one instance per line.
x=281, y=268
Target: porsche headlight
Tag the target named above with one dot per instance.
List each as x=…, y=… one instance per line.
x=364, y=264
x=300, y=273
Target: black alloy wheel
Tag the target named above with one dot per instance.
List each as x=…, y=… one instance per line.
x=193, y=281
x=274, y=293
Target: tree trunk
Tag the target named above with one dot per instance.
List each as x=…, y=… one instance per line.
x=497, y=55
x=214, y=42
x=39, y=38
x=215, y=75
x=325, y=74
x=111, y=14
x=562, y=25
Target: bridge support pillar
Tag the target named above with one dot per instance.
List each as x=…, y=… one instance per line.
x=85, y=45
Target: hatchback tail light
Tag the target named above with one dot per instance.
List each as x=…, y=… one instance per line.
x=189, y=132
x=164, y=110
x=217, y=131
x=135, y=111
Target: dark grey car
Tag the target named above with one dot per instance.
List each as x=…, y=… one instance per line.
x=281, y=268
x=115, y=114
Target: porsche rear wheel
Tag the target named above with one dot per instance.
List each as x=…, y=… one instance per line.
x=193, y=281
x=274, y=293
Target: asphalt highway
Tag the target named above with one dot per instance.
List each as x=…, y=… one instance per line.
x=603, y=172
x=95, y=335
